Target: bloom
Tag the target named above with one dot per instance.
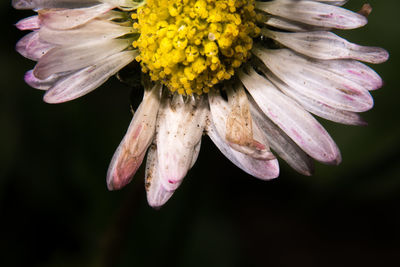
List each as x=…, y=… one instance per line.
x=248, y=74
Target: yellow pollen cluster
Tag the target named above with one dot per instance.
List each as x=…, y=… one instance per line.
x=192, y=45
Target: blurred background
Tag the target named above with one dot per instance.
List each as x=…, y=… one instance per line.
x=55, y=209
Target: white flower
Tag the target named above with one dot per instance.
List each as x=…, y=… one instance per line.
x=249, y=88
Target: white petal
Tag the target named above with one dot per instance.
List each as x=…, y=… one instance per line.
x=291, y=118
x=157, y=195
x=130, y=153
x=37, y=4
x=332, y=2
x=93, y=30
x=313, y=13
x=327, y=45
x=261, y=169
x=70, y=18
x=41, y=84
x=290, y=25
x=281, y=143
x=196, y=153
x=125, y=4
x=310, y=78
x=31, y=47
x=30, y=23
x=86, y=80
x=75, y=57
x=354, y=71
x=180, y=127
x=113, y=15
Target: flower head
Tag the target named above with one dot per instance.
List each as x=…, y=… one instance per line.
x=246, y=73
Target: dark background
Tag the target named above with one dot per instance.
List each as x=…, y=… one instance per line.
x=55, y=209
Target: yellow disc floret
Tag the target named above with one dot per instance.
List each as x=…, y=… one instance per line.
x=191, y=45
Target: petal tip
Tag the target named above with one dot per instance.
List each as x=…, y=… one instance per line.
x=159, y=197
x=51, y=98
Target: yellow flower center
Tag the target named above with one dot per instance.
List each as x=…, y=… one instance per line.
x=192, y=45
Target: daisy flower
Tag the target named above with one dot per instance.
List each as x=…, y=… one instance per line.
x=249, y=74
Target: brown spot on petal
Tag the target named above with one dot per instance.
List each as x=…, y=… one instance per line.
x=150, y=168
x=365, y=10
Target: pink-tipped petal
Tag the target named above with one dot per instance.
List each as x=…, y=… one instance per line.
x=30, y=46
x=180, y=126
x=132, y=149
x=40, y=84
x=30, y=23
x=157, y=195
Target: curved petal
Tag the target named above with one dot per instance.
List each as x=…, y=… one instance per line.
x=41, y=84
x=130, y=153
x=31, y=47
x=30, y=23
x=180, y=126
x=157, y=195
